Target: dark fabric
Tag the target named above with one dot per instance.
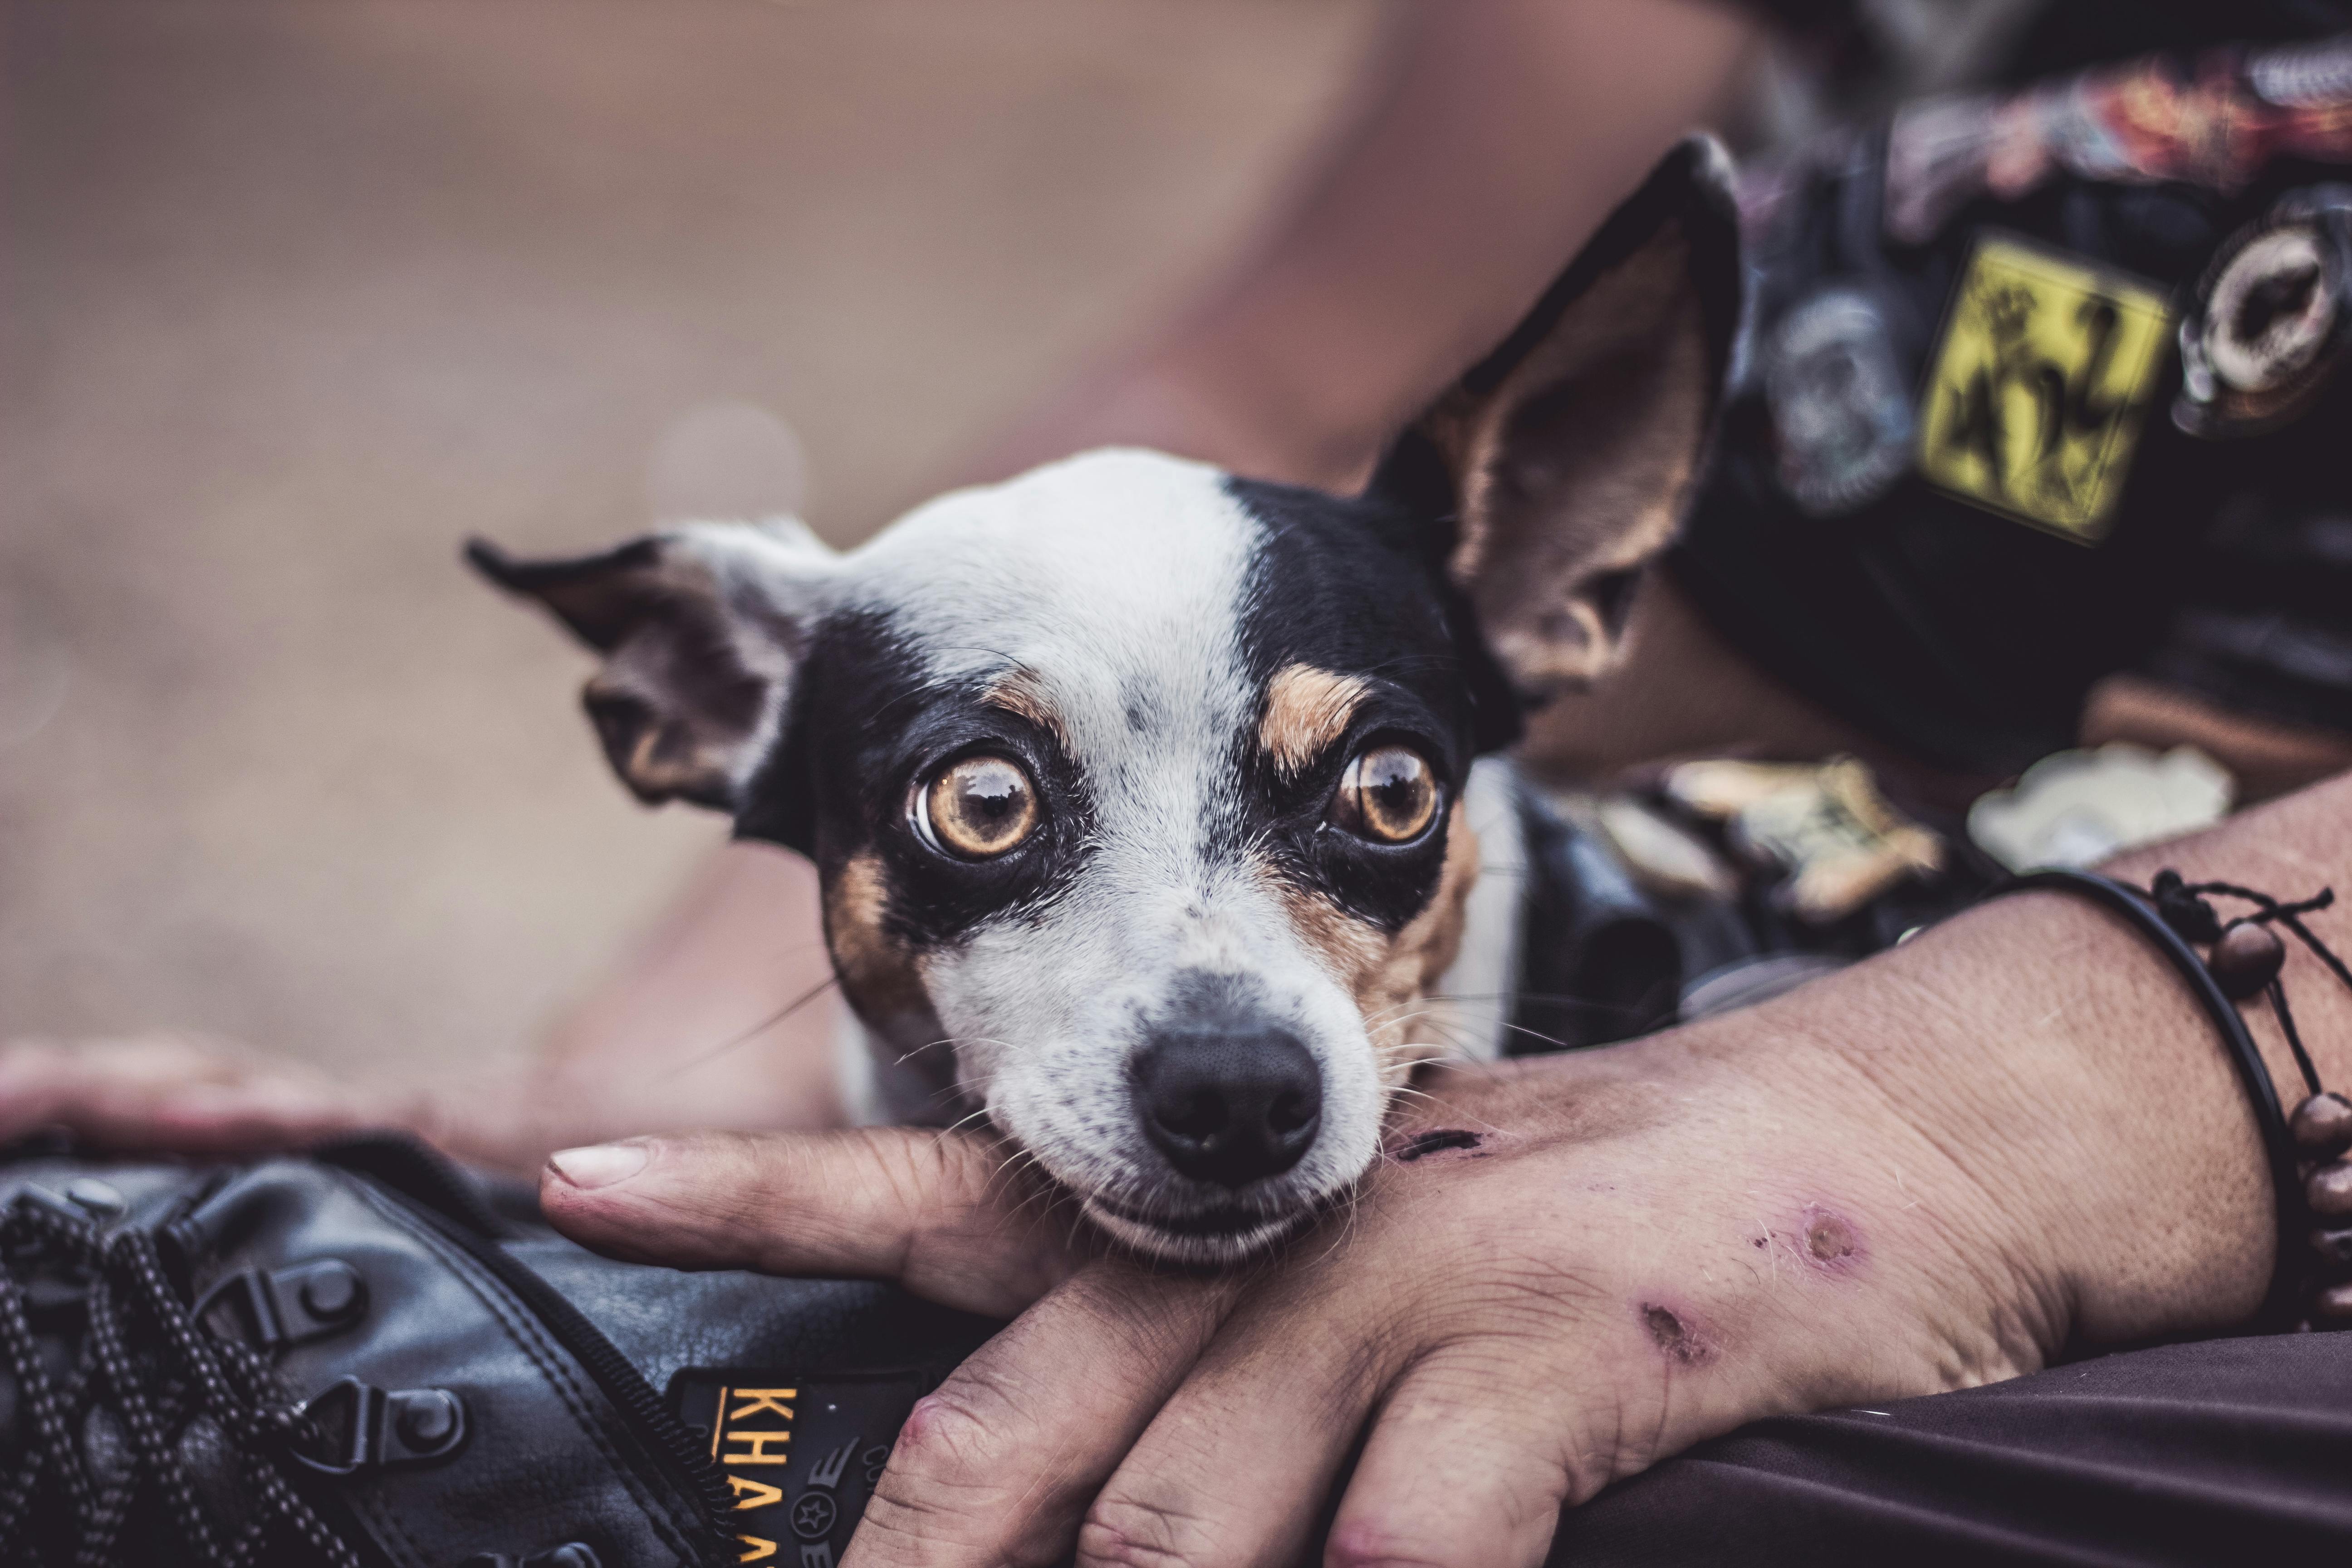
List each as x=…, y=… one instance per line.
x=2072, y=33
x=1964, y=636
x=2230, y=1451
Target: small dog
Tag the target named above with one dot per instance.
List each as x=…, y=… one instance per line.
x=1148, y=791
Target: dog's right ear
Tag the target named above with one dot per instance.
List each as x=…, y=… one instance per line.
x=1559, y=465
x=701, y=629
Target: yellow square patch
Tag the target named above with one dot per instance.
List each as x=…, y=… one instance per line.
x=2033, y=407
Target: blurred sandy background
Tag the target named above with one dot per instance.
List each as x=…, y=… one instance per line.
x=296, y=293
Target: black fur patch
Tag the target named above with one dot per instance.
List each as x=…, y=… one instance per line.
x=866, y=727
x=1355, y=588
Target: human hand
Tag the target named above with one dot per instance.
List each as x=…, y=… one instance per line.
x=184, y=1093
x=1853, y=1194
x=178, y=1092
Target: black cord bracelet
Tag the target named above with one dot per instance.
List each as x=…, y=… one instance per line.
x=2280, y=1309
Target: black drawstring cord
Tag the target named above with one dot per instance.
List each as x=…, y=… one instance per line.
x=2184, y=908
x=2277, y=993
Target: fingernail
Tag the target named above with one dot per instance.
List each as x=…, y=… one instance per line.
x=598, y=1165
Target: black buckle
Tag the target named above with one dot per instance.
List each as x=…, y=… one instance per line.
x=360, y=1426
x=287, y=1306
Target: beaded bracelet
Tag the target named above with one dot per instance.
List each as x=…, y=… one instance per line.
x=2311, y=1284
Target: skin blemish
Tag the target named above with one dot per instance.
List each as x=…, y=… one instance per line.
x=1436, y=1143
x=1828, y=1240
x=1674, y=1336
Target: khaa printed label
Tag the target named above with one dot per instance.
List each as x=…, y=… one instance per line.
x=2038, y=386
x=800, y=1455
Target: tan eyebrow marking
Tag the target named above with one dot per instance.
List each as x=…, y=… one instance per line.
x=1307, y=709
x=1020, y=693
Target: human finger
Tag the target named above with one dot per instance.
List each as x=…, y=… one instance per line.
x=941, y=1214
x=1460, y=1467
x=167, y=1092
x=267, y=1113
x=45, y=1081
x=997, y=1466
x=1236, y=1464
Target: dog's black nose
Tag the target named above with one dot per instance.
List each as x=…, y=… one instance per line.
x=1228, y=1105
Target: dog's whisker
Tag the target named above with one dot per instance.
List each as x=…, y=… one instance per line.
x=1424, y=1003
x=762, y=1027
x=1461, y=1056
x=1555, y=1042
x=952, y=1040
x=953, y=1128
x=1350, y=1209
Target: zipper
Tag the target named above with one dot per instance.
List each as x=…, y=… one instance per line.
x=677, y=1457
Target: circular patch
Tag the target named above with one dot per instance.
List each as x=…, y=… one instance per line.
x=1841, y=404
x=2269, y=323
x=2270, y=311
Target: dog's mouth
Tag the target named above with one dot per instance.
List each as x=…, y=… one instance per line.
x=1223, y=1234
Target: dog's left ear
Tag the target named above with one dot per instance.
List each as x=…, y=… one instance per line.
x=1566, y=456
x=701, y=629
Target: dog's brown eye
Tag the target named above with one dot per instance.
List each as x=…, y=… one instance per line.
x=980, y=808
x=1388, y=795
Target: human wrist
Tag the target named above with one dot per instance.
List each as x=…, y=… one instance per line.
x=1743, y=1183
x=1862, y=1116
x=2075, y=1082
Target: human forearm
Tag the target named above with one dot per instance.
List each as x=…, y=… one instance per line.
x=2070, y=1073
x=1503, y=133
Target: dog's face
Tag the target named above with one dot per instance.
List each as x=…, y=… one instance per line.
x=1135, y=788
x=1135, y=785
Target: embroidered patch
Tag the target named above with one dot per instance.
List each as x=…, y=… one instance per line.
x=1841, y=403
x=2268, y=324
x=801, y=1455
x=2033, y=404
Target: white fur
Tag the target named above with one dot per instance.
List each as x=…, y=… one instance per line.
x=1116, y=581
